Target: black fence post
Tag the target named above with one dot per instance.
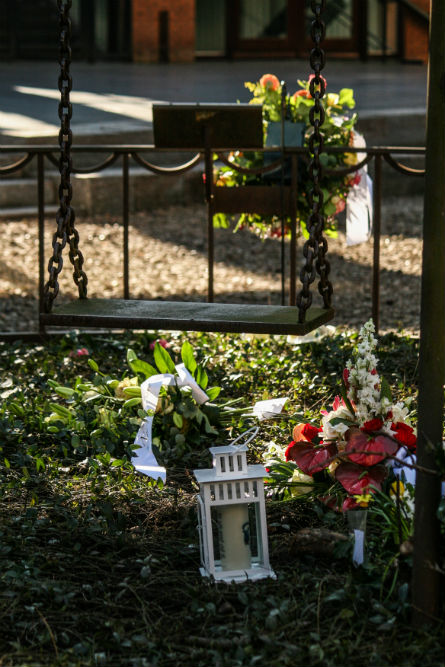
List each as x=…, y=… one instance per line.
x=426, y=575
x=164, y=45
x=376, y=231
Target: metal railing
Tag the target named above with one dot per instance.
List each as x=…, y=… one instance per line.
x=373, y=154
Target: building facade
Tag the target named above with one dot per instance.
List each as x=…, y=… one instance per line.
x=183, y=30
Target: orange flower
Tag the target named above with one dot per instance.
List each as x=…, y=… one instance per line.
x=301, y=93
x=270, y=82
x=305, y=432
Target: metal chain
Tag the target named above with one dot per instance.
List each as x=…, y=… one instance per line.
x=315, y=247
x=66, y=231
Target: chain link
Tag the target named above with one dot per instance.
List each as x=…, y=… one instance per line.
x=65, y=231
x=315, y=247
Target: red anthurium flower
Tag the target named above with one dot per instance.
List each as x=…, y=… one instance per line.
x=372, y=425
x=404, y=434
x=309, y=458
x=357, y=480
x=350, y=503
x=288, y=448
x=368, y=451
x=305, y=432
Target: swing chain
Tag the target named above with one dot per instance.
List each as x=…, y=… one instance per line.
x=316, y=246
x=66, y=231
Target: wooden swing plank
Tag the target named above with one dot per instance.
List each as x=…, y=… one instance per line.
x=185, y=316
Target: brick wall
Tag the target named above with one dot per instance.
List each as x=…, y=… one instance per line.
x=416, y=34
x=146, y=29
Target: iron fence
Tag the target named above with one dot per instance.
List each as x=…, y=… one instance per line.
x=229, y=200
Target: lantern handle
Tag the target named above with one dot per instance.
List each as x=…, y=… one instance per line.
x=255, y=430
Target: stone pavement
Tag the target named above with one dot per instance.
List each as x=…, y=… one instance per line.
x=113, y=100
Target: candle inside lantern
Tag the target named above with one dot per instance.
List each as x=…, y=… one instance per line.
x=234, y=537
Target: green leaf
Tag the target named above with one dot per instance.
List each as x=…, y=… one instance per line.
x=66, y=392
x=346, y=98
x=213, y=392
x=178, y=420
x=131, y=356
x=92, y=364
x=85, y=387
x=344, y=395
x=16, y=409
x=385, y=390
x=201, y=377
x=163, y=360
x=179, y=439
x=220, y=221
x=207, y=425
x=131, y=402
x=139, y=366
x=341, y=420
x=132, y=391
x=188, y=357
x=61, y=410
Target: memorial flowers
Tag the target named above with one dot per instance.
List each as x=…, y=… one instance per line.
x=348, y=454
x=338, y=130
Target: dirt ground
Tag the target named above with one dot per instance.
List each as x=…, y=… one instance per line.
x=168, y=260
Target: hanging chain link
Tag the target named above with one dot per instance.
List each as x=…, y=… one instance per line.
x=66, y=231
x=316, y=246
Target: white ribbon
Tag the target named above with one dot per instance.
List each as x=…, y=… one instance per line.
x=405, y=472
x=143, y=459
x=359, y=207
x=269, y=408
x=358, y=555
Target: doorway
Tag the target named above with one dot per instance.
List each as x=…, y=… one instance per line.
x=274, y=28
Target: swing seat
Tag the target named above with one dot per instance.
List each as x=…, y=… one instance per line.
x=185, y=316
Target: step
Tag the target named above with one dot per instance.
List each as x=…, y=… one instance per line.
x=16, y=192
x=19, y=212
x=101, y=192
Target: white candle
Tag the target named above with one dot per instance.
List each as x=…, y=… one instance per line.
x=233, y=534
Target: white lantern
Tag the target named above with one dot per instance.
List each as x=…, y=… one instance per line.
x=232, y=517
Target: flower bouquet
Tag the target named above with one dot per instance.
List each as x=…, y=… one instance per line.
x=346, y=458
x=337, y=130
x=104, y=412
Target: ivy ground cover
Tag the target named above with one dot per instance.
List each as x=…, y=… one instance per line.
x=99, y=565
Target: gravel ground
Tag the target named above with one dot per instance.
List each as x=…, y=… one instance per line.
x=168, y=261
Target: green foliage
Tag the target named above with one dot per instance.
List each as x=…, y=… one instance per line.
x=337, y=131
x=98, y=565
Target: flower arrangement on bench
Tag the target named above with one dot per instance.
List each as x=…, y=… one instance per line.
x=338, y=130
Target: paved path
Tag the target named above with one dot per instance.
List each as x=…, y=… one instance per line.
x=115, y=97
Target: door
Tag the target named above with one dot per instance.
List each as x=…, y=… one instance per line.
x=262, y=28
x=342, y=19
x=268, y=28
x=100, y=29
